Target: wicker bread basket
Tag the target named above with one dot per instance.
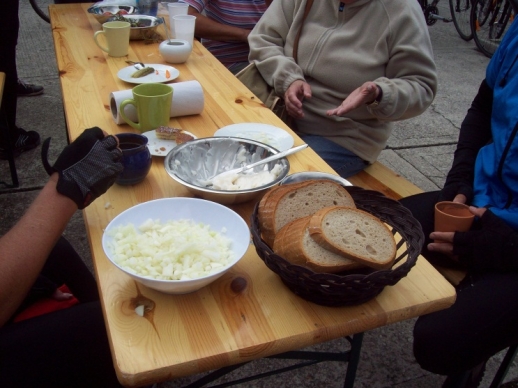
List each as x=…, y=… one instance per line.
x=350, y=288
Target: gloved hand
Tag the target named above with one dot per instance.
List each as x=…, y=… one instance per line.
x=492, y=246
x=87, y=167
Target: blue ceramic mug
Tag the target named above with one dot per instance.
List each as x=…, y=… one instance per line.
x=136, y=158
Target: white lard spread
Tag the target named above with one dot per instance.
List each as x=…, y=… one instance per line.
x=244, y=181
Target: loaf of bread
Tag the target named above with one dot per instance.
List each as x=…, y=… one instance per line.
x=354, y=234
x=286, y=203
x=294, y=244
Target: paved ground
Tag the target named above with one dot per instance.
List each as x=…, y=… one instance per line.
x=420, y=149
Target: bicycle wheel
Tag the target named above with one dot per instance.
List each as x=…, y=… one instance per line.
x=460, y=14
x=490, y=20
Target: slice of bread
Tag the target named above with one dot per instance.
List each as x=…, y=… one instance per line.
x=286, y=203
x=294, y=244
x=355, y=234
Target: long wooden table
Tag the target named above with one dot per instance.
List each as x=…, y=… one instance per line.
x=214, y=327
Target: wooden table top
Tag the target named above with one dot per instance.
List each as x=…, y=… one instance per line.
x=214, y=327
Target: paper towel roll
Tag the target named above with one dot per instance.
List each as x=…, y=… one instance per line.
x=187, y=100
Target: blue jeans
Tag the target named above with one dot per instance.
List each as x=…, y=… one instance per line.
x=343, y=161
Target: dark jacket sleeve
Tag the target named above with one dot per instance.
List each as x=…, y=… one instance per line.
x=475, y=132
x=493, y=247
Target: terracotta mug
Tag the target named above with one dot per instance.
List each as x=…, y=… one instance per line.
x=452, y=217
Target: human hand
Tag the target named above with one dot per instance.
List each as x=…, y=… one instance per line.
x=87, y=167
x=443, y=241
x=365, y=94
x=461, y=198
x=60, y=295
x=296, y=93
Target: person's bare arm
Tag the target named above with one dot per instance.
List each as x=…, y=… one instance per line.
x=210, y=29
x=25, y=248
x=71, y=186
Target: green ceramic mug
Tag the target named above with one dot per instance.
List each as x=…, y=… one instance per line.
x=153, y=104
x=117, y=36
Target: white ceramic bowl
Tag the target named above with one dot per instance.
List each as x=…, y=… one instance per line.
x=194, y=162
x=209, y=213
x=175, y=50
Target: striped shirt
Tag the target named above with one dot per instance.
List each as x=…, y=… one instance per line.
x=238, y=13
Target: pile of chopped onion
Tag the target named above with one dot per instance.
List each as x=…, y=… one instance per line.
x=176, y=250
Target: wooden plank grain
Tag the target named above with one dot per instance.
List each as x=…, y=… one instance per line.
x=219, y=325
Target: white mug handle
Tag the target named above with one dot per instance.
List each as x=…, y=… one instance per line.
x=98, y=44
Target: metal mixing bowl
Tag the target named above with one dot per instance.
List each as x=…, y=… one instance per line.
x=143, y=26
x=194, y=162
x=103, y=12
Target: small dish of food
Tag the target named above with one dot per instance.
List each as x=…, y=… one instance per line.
x=164, y=139
x=150, y=73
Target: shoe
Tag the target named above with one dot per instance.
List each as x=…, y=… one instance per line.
x=26, y=90
x=23, y=141
x=468, y=379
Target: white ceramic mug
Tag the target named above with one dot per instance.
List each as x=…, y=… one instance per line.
x=117, y=36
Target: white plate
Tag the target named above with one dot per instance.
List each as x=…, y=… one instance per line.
x=273, y=136
x=125, y=74
x=159, y=147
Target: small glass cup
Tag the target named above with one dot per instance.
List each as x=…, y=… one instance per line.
x=176, y=9
x=184, y=27
x=147, y=7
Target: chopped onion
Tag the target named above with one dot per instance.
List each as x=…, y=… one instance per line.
x=176, y=250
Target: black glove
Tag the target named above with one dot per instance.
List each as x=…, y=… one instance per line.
x=87, y=167
x=449, y=192
x=494, y=246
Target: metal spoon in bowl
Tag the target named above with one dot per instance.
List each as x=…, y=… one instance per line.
x=238, y=170
x=166, y=29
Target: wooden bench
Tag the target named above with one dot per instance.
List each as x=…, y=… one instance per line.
x=395, y=186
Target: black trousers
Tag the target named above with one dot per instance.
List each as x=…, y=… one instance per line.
x=66, y=348
x=482, y=321
x=9, y=25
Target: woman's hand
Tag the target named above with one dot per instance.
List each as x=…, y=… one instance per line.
x=444, y=240
x=460, y=198
x=60, y=295
x=296, y=93
x=365, y=94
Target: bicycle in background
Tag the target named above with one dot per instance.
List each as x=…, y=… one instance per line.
x=460, y=14
x=489, y=21
x=431, y=12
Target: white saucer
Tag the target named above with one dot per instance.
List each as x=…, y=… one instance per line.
x=268, y=134
x=159, y=147
x=125, y=74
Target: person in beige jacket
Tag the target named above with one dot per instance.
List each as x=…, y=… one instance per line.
x=361, y=65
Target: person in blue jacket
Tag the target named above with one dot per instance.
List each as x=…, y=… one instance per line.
x=484, y=318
